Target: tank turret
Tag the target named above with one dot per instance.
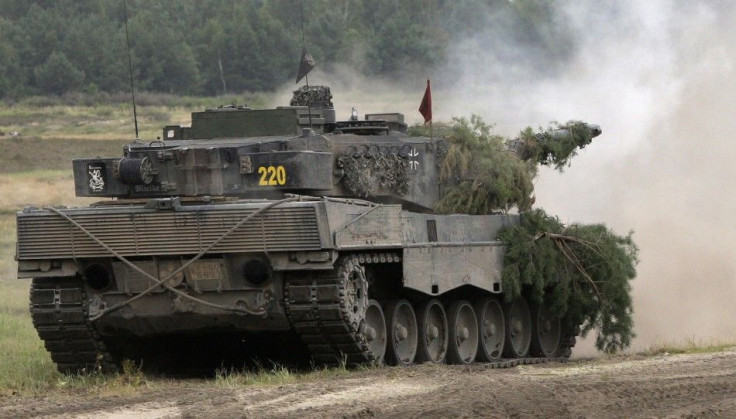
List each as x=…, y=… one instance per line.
x=236, y=151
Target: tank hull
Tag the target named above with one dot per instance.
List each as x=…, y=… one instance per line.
x=161, y=266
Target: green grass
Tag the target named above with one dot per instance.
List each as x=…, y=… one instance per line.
x=278, y=375
x=22, y=154
x=691, y=346
x=129, y=380
x=54, y=130
x=143, y=99
x=8, y=266
x=37, y=188
x=26, y=366
x=83, y=122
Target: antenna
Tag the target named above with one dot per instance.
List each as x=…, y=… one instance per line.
x=222, y=75
x=304, y=46
x=130, y=68
x=304, y=43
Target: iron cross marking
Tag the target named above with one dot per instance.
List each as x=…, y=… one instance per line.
x=414, y=154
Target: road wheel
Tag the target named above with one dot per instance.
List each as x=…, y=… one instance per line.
x=374, y=332
x=491, y=329
x=518, y=329
x=402, y=333
x=463, y=333
x=546, y=331
x=433, y=333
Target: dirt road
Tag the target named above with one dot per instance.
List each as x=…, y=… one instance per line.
x=698, y=385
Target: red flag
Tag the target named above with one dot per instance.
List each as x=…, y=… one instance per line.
x=426, y=107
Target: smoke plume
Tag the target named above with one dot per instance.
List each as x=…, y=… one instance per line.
x=660, y=79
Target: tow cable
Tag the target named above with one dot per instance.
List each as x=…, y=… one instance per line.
x=162, y=282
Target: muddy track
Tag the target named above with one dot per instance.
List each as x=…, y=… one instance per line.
x=700, y=385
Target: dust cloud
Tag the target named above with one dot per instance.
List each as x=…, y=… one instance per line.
x=660, y=79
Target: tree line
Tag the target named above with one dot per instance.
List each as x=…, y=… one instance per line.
x=208, y=47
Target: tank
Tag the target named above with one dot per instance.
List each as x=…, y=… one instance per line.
x=281, y=231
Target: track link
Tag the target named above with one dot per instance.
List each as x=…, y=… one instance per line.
x=316, y=310
x=59, y=312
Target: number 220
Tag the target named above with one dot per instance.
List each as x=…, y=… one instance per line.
x=272, y=176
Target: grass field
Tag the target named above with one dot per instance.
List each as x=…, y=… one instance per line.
x=98, y=123
x=25, y=154
x=26, y=366
x=690, y=346
x=105, y=117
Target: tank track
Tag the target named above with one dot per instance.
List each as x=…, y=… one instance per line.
x=313, y=304
x=59, y=313
x=314, y=310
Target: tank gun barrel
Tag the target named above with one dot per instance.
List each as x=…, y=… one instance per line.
x=593, y=130
x=555, y=145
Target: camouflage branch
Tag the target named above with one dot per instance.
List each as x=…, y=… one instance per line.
x=556, y=145
x=367, y=175
x=312, y=95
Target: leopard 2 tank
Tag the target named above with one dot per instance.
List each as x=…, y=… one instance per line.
x=274, y=223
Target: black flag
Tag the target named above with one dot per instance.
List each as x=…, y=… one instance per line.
x=306, y=65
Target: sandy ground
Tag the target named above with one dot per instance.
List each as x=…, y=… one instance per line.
x=698, y=385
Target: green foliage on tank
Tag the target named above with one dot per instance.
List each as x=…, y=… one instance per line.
x=588, y=269
x=556, y=145
x=482, y=172
x=483, y=175
x=583, y=270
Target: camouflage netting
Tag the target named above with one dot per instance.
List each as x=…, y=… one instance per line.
x=556, y=145
x=312, y=96
x=368, y=174
x=582, y=270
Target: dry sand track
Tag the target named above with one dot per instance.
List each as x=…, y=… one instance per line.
x=697, y=385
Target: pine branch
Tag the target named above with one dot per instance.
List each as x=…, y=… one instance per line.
x=541, y=247
x=570, y=255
